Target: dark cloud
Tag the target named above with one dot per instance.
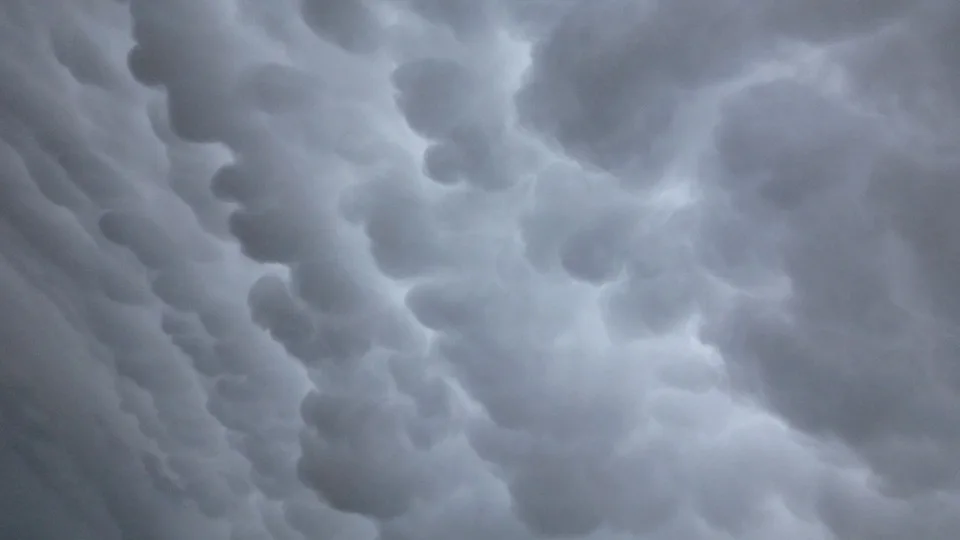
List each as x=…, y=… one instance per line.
x=421, y=269
x=276, y=88
x=446, y=101
x=840, y=355
x=403, y=236
x=353, y=26
x=467, y=19
x=607, y=81
x=435, y=95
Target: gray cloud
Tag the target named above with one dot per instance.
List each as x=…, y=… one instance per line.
x=353, y=26
x=404, y=269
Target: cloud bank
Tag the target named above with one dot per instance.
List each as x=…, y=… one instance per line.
x=421, y=269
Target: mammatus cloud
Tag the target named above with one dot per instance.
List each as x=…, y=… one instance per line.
x=421, y=269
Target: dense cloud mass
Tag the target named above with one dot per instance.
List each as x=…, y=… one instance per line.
x=517, y=269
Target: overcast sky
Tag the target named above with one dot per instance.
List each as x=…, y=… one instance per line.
x=480, y=269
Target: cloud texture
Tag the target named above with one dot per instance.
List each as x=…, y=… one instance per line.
x=518, y=269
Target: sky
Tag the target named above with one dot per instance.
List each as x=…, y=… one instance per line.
x=479, y=269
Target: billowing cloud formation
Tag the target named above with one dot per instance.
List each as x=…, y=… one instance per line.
x=421, y=269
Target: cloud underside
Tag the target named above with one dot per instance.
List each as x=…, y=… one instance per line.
x=428, y=269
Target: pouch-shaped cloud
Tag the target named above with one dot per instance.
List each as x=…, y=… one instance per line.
x=421, y=269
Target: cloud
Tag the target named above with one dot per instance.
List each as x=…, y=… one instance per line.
x=607, y=81
x=400, y=269
x=352, y=26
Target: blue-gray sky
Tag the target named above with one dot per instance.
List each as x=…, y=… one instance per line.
x=512, y=269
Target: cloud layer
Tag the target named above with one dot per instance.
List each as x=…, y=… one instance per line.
x=421, y=269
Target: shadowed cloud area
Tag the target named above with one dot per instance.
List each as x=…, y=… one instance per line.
x=513, y=269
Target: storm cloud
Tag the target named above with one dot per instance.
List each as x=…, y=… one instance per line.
x=422, y=269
